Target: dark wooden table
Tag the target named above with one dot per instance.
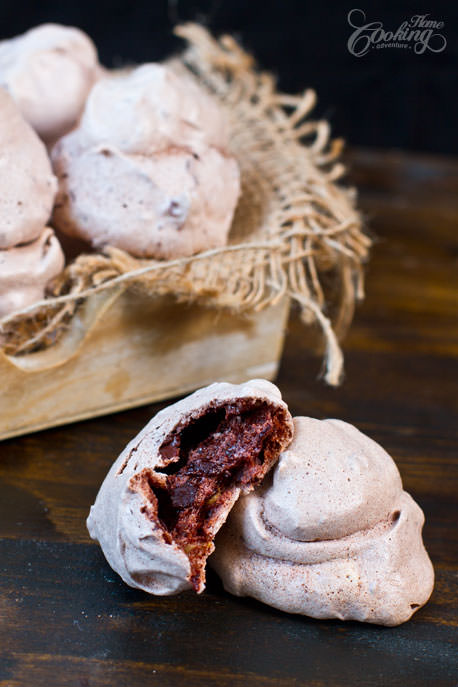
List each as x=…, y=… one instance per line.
x=67, y=619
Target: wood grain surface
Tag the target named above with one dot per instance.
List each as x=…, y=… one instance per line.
x=67, y=620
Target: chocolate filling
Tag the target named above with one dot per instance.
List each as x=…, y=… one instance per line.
x=229, y=446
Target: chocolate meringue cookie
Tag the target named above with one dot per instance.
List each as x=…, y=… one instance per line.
x=26, y=179
x=170, y=490
x=49, y=71
x=26, y=270
x=170, y=204
x=147, y=170
x=332, y=535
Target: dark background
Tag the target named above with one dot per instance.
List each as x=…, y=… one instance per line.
x=388, y=98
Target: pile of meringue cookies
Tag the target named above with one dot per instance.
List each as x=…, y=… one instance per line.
x=309, y=515
x=135, y=159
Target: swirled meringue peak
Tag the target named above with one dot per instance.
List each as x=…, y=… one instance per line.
x=147, y=170
x=27, y=183
x=26, y=270
x=332, y=535
x=49, y=71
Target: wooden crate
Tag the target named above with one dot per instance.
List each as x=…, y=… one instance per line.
x=125, y=350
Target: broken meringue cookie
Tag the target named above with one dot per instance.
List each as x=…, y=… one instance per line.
x=49, y=71
x=331, y=535
x=26, y=270
x=171, y=489
x=147, y=169
x=26, y=179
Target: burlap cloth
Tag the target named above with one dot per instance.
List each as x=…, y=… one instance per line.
x=295, y=231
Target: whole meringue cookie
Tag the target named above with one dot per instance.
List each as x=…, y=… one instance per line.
x=27, y=183
x=333, y=535
x=26, y=270
x=49, y=71
x=146, y=169
x=165, y=205
x=170, y=490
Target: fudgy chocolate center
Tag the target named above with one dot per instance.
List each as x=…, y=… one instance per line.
x=223, y=449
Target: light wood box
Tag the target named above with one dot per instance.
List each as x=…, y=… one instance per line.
x=125, y=350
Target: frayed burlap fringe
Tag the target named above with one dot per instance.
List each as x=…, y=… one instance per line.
x=295, y=232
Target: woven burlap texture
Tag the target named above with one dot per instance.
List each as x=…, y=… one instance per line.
x=295, y=231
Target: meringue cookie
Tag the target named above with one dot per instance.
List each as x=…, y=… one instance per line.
x=146, y=169
x=333, y=535
x=26, y=270
x=49, y=71
x=26, y=179
x=163, y=205
x=170, y=490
